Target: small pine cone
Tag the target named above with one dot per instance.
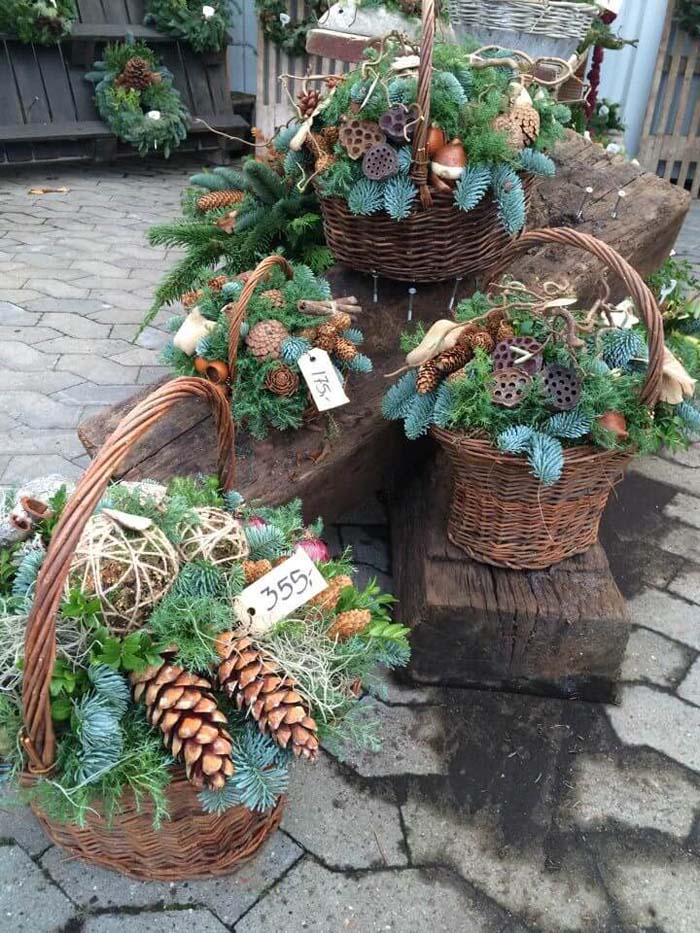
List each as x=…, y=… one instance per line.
x=341, y=321
x=183, y=707
x=282, y=381
x=457, y=375
x=330, y=135
x=253, y=680
x=265, y=338
x=349, y=623
x=345, y=349
x=217, y=283
x=190, y=299
x=308, y=333
x=428, y=378
x=493, y=321
x=482, y=341
x=254, y=569
x=216, y=199
x=326, y=337
x=505, y=331
x=328, y=598
x=450, y=360
x=274, y=296
x=308, y=101
x=324, y=162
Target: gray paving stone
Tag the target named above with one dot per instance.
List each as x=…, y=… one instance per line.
x=75, y=324
x=644, y=793
x=25, y=468
x=352, y=827
x=121, y=298
x=568, y=899
x=96, y=369
x=23, y=440
x=55, y=288
x=149, y=374
x=682, y=540
x=689, y=457
x=33, y=333
x=659, y=720
x=654, y=659
x=169, y=921
x=20, y=357
x=124, y=312
x=38, y=411
x=315, y=900
x=660, y=893
x=667, y=614
x=100, y=348
x=87, y=393
x=73, y=307
x=19, y=823
x=690, y=688
x=413, y=743
x=665, y=471
x=687, y=585
x=136, y=356
x=28, y=901
x=228, y=897
x=97, y=268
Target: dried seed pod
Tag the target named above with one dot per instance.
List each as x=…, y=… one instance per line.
x=562, y=386
x=506, y=354
x=509, y=387
x=358, y=136
x=399, y=122
x=380, y=162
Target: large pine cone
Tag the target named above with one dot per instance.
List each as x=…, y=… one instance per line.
x=217, y=199
x=137, y=75
x=253, y=681
x=265, y=338
x=528, y=119
x=328, y=598
x=349, y=623
x=282, y=381
x=183, y=707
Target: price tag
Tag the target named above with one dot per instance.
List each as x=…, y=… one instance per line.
x=276, y=595
x=324, y=383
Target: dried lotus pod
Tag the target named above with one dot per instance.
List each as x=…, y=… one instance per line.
x=358, y=136
x=562, y=385
x=509, y=387
x=399, y=122
x=380, y=162
x=506, y=355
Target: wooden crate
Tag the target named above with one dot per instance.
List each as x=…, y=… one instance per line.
x=670, y=143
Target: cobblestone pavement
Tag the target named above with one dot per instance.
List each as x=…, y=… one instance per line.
x=485, y=812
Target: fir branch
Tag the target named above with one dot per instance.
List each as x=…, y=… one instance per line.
x=472, y=187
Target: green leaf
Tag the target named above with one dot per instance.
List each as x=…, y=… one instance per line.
x=61, y=709
x=110, y=653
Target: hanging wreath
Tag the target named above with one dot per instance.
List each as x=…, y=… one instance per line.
x=136, y=99
x=204, y=26
x=44, y=22
x=689, y=16
x=287, y=33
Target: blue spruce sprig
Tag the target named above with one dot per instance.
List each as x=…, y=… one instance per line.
x=354, y=335
x=537, y=163
x=399, y=193
x=360, y=364
x=621, y=347
x=266, y=542
x=233, y=500
x=284, y=137
x=398, y=396
x=510, y=197
x=261, y=775
x=294, y=347
x=546, y=458
x=472, y=186
x=690, y=414
x=405, y=157
x=366, y=197
x=444, y=405
x=568, y=424
x=448, y=84
x=111, y=686
x=24, y=583
x=420, y=415
x=199, y=578
x=515, y=440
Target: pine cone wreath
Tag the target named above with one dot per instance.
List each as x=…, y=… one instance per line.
x=183, y=707
x=274, y=296
x=528, y=120
x=254, y=681
x=307, y=102
x=328, y=598
x=137, y=75
x=349, y=623
x=505, y=123
x=216, y=199
x=345, y=349
x=253, y=570
x=264, y=339
x=282, y=381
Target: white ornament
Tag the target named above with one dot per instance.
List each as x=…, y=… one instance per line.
x=208, y=12
x=623, y=316
x=193, y=328
x=285, y=19
x=153, y=114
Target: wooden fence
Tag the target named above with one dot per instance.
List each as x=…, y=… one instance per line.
x=670, y=143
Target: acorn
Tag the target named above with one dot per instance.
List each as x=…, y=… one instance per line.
x=436, y=140
x=614, y=422
x=449, y=162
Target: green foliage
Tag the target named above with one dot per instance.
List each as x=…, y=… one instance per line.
x=133, y=653
x=11, y=750
x=471, y=188
x=510, y=196
x=192, y=623
x=199, y=579
x=267, y=542
x=546, y=458
x=190, y=492
x=359, y=729
x=366, y=197
x=291, y=35
x=68, y=684
x=8, y=569
x=536, y=163
x=138, y=501
x=43, y=22
x=399, y=195
x=183, y=19
x=378, y=603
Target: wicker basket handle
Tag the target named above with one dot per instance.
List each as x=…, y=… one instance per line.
x=40, y=638
x=419, y=152
x=237, y=311
x=644, y=300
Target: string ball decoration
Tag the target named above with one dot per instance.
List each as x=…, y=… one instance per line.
x=216, y=536
x=506, y=356
x=358, y=136
x=509, y=387
x=128, y=571
x=562, y=386
x=380, y=162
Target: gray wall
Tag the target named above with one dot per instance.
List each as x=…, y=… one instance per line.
x=243, y=54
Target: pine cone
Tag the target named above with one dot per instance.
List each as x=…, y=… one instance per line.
x=345, y=349
x=328, y=598
x=264, y=339
x=428, y=379
x=217, y=199
x=450, y=360
x=282, y=381
x=330, y=135
x=505, y=331
x=308, y=101
x=183, y=707
x=512, y=128
x=349, y=623
x=217, y=283
x=274, y=296
x=528, y=119
x=481, y=341
x=493, y=321
x=253, y=680
x=137, y=75
x=326, y=337
x=308, y=333
x=254, y=569
x=189, y=299
x=341, y=321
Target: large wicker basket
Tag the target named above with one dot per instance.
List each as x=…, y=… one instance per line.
x=437, y=241
x=192, y=843
x=541, y=28
x=500, y=514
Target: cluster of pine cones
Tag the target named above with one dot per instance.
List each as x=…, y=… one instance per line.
x=329, y=336
x=483, y=335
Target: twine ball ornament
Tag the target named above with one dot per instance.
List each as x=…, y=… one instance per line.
x=380, y=162
x=358, y=136
x=129, y=572
x=282, y=381
x=509, y=387
x=399, y=122
x=505, y=356
x=562, y=386
x=216, y=537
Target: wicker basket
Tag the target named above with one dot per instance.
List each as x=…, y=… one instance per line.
x=551, y=28
x=437, y=241
x=500, y=514
x=192, y=844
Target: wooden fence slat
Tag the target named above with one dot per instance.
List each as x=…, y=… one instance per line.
x=10, y=109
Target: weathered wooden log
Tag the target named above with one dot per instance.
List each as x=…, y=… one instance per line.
x=333, y=470
x=560, y=632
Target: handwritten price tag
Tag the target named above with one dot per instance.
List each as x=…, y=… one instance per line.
x=276, y=595
x=324, y=383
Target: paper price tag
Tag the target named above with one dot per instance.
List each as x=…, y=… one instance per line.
x=324, y=384
x=276, y=595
